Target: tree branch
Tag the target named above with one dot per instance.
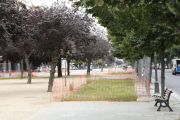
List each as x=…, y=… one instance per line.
x=172, y=23
x=30, y=54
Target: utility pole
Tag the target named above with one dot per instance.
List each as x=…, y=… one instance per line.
x=156, y=82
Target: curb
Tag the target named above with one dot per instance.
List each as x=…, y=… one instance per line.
x=144, y=100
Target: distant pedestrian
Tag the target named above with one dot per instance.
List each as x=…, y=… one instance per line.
x=126, y=67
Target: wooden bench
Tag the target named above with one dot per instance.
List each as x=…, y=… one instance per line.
x=163, y=99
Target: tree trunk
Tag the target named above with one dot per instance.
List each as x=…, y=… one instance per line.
x=59, y=68
x=28, y=69
x=88, y=69
x=151, y=67
x=68, y=62
x=79, y=66
x=137, y=66
x=102, y=64
x=22, y=69
x=170, y=58
x=162, y=72
x=102, y=67
x=169, y=62
x=51, y=78
x=53, y=64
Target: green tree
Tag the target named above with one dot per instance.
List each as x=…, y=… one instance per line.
x=137, y=28
x=58, y=28
x=170, y=9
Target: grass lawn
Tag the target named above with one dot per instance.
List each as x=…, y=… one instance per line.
x=105, y=89
x=120, y=73
x=16, y=77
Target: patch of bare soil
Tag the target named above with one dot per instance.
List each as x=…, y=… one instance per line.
x=19, y=100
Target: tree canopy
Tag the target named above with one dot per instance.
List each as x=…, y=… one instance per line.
x=47, y=34
x=137, y=28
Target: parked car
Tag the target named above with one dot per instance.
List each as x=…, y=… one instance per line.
x=39, y=69
x=74, y=67
x=153, y=66
x=158, y=66
x=165, y=66
x=176, y=67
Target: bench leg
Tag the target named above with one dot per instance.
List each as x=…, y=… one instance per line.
x=156, y=103
x=170, y=108
x=159, y=108
x=167, y=104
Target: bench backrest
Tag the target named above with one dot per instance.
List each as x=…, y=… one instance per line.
x=167, y=94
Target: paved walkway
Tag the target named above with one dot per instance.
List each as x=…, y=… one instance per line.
x=102, y=110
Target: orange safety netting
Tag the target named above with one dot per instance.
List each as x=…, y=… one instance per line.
x=102, y=88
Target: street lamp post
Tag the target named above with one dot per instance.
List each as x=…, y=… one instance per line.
x=156, y=82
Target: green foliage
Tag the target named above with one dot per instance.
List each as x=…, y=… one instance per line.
x=99, y=2
x=174, y=51
x=136, y=30
x=171, y=5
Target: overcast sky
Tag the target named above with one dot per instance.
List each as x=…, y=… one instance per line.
x=40, y=2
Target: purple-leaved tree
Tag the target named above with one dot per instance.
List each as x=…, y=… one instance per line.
x=59, y=30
